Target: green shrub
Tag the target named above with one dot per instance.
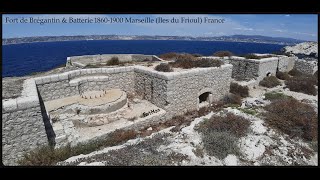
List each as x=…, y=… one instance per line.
x=269, y=82
x=242, y=91
x=293, y=118
x=223, y=53
x=163, y=67
x=113, y=61
x=282, y=75
x=302, y=84
x=275, y=96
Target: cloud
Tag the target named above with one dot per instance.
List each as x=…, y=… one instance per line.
x=280, y=30
x=302, y=33
x=287, y=15
x=244, y=29
x=195, y=29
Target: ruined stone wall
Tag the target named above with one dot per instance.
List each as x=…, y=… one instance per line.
x=266, y=66
x=308, y=67
x=75, y=82
x=123, y=81
x=244, y=69
x=178, y=92
x=286, y=63
x=23, y=127
x=185, y=88
x=81, y=61
x=151, y=86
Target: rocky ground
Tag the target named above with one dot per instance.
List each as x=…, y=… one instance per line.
x=306, y=48
x=262, y=145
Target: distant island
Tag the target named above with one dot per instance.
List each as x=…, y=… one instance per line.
x=233, y=38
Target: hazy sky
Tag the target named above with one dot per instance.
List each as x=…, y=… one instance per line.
x=299, y=26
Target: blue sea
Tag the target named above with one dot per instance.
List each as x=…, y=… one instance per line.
x=23, y=59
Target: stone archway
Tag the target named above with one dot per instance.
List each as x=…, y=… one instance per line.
x=268, y=74
x=204, y=98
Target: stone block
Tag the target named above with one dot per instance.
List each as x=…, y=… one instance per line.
x=104, y=70
x=77, y=72
x=99, y=70
x=9, y=105
x=46, y=79
x=63, y=76
x=38, y=80
x=83, y=72
x=54, y=78
x=73, y=83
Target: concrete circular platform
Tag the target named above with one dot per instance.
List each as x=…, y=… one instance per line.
x=96, y=98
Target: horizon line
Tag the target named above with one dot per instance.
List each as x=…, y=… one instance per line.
x=159, y=35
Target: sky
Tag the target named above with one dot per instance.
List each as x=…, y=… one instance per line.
x=298, y=26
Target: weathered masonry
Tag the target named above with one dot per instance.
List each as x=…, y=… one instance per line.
x=26, y=124
x=248, y=69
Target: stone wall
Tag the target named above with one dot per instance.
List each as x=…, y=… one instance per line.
x=82, y=61
x=244, y=69
x=185, y=88
x=247, y=69
x=75, y=82
x=150, y=86
x=178, y=92
x=23, y=127
x=267, y=66
x=123, y=81
x=286, y=63
x=308, y=67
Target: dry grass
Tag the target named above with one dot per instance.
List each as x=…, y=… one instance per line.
x=232, y=99
x=113, y=61
x=169, y=56
x=46, y=156
x=220, y=134
x=282, y=75
x=295, y=72
x=304, y=83
x=269, y=82
x=188, y=61
x=205, y=62
x=237, y=89
x=144, y=153
x=163, y=67
x=237, y=125
x=223, y=53
x=293, y=118
x=253, y=56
